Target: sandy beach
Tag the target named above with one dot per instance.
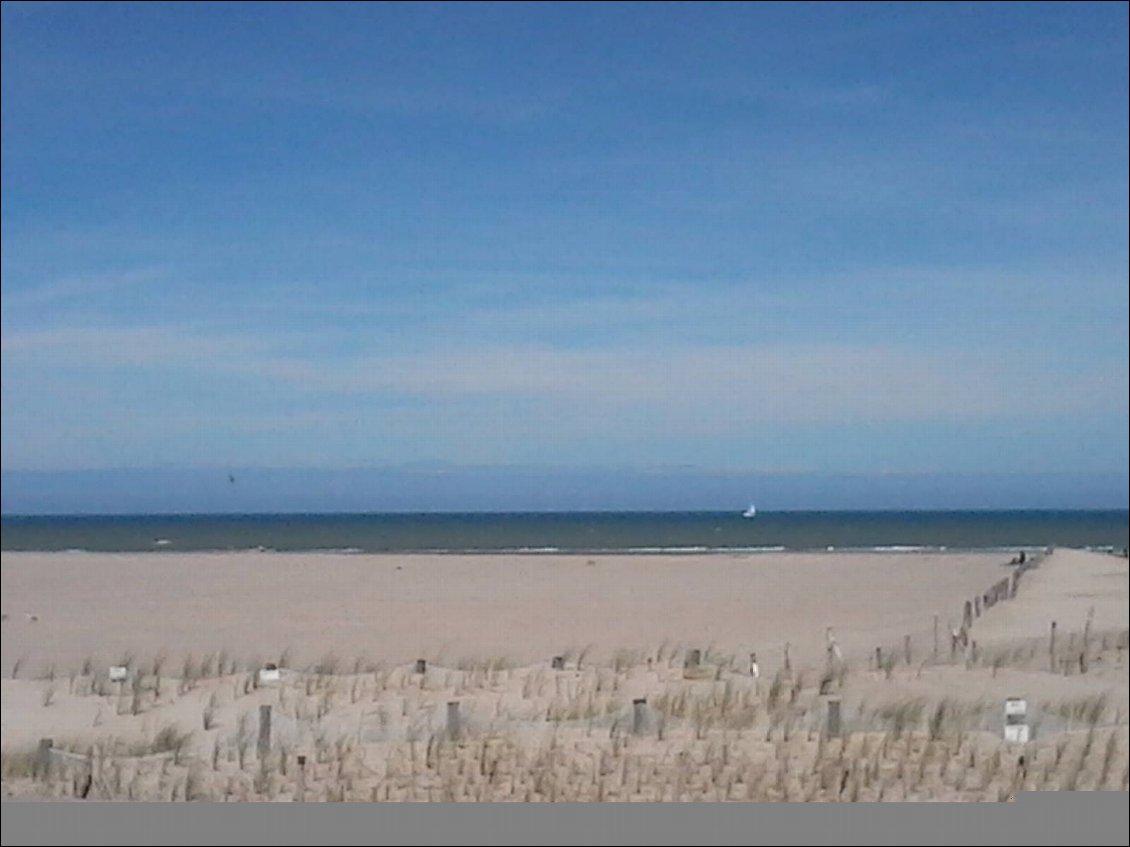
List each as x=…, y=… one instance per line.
x=194, y=630
x=523, y=607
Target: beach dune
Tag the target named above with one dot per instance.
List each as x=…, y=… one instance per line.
x=859, y=693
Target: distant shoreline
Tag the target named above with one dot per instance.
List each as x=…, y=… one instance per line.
x=562, y=513
x=584, y=533
x=570, y=552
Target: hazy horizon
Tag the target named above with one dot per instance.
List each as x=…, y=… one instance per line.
x=540, y=489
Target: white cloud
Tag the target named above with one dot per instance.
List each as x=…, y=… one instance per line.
x=721, y=389
x=699, y=389
x=115, y=347
x=81, y=287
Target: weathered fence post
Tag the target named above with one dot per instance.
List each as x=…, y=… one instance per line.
x=832, y=720
x=42, y=758
x=454, y=727
x=906, y=649
x=558, y=663
x=421, y=666
x=976, y=607
x=935, y=638
x=639, y=707
x=1051, y=647
x=967, y=615
x=300, y=790
x=264, y=732
x=693, y=659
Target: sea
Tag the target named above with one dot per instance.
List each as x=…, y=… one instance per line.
x=573, y=532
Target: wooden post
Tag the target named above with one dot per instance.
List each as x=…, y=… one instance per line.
x=878, y=658
x=693, y=658
x=43, y=758
x=832, y=726
x=558, y=663
x=935, y=638
x=906, y=649
x=754, y=668
x=1086, y=640
x=788, y=663
x=976, y=607
x=264, y=732
x=1051, y=647
x=639, y=708
x=421, y=666
x=967, y=615
x=454, y=728
x=300, y=792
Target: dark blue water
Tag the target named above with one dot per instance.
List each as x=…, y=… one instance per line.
x=572, y=532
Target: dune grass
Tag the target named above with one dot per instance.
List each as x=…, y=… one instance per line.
x=371, y=731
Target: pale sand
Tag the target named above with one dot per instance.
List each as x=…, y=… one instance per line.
x=533, y=733
x=526, y=608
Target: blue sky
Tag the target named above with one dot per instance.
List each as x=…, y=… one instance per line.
x=770, y=238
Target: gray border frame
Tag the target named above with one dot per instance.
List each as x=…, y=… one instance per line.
x=1034, y=819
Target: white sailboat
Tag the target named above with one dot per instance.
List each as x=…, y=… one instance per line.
x=750, y=512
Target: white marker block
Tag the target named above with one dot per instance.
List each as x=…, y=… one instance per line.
x=269, y=674
x=1016, y=733
x=1015, y=707
x=118, y=673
